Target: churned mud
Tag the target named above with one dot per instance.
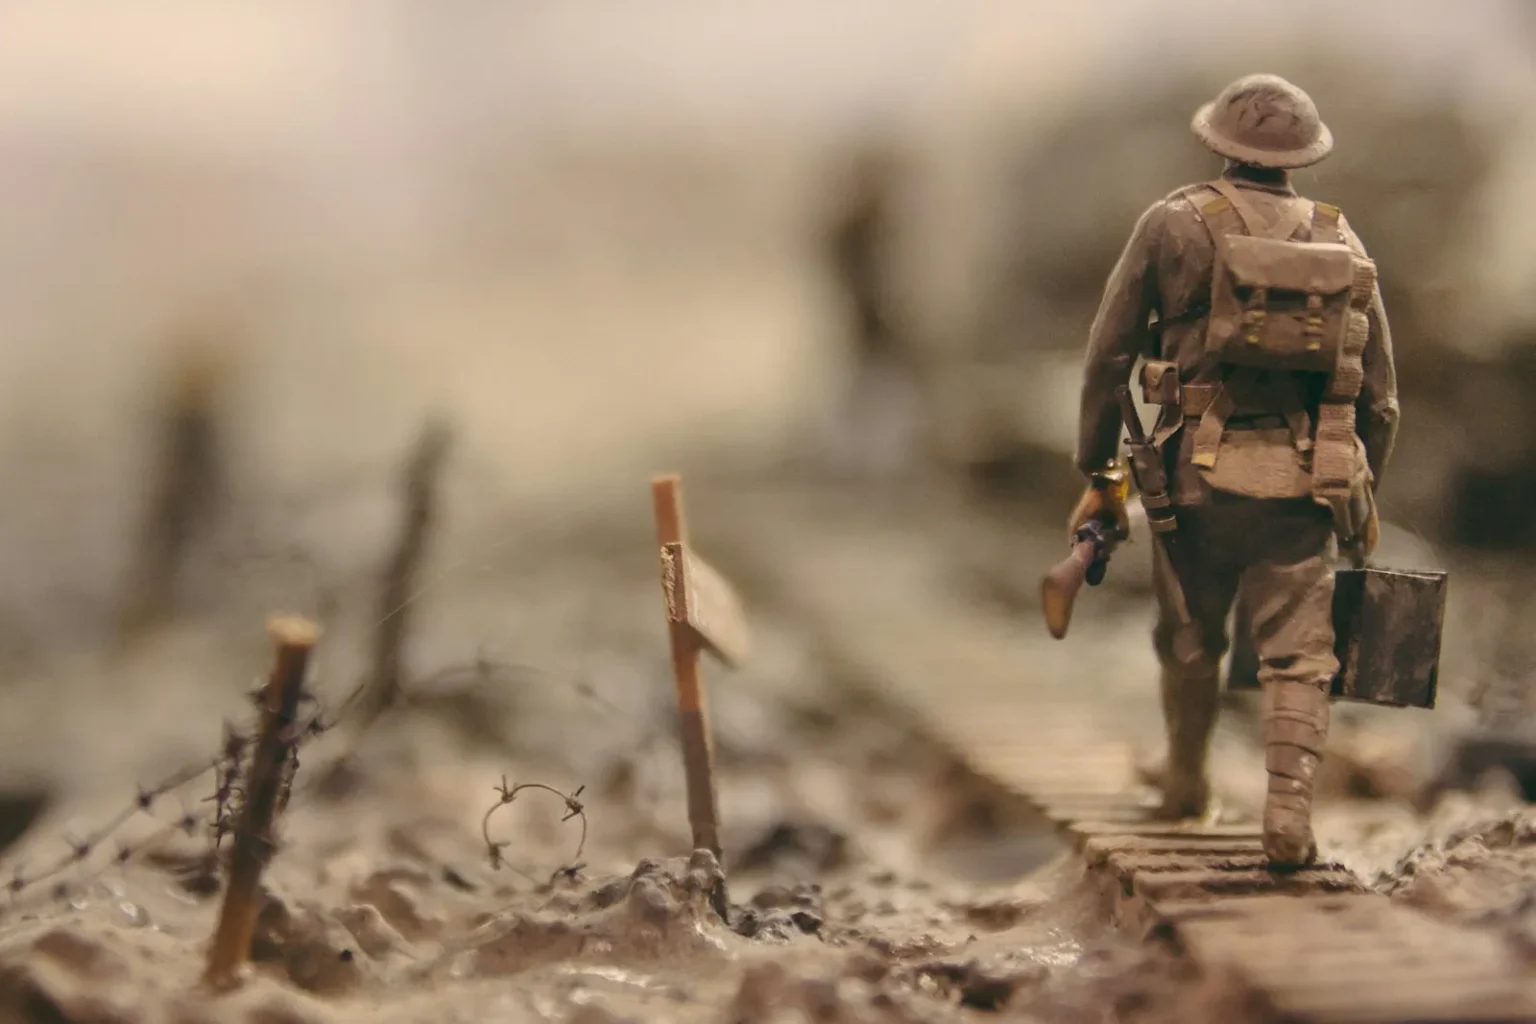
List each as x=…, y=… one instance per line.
x=511, y=843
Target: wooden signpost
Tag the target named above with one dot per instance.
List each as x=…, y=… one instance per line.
x=703, y=614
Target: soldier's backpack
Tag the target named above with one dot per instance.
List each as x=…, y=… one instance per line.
x=1279, y=304
x=1278, y=307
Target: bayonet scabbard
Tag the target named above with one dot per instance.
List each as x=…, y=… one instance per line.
x=1151, y=476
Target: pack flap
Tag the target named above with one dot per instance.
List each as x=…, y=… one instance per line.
x=1320, y=268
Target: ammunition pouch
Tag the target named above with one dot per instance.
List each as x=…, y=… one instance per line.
x=1352, y=510
x=1161, y=386
x=1160, y=383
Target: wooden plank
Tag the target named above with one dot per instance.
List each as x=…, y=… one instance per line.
x=1262, y=914
x=1091, y=799
x=1423, y=1007
x=1098, y=847
x=1088, y=828
x=1360, y=959
x=700, y=597
x=1130, y=862
x=1205, y=884
x=1127, y=814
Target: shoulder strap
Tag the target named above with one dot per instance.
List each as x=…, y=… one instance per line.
x=1282, y=229
x=1183, y=192
x=1197, y=308
x=1285, y=391
x=1252, y=222
x=1293, y=219
x=1325, y=222
x=1334, y=459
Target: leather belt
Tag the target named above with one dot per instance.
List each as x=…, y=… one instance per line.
x=1194, y=399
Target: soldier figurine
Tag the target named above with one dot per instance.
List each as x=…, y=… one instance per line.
x=875, y=427
x=1267, y=353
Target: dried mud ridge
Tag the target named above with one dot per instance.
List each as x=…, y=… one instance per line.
x=314, y=964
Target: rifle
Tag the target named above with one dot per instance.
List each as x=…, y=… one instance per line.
x=1086, y=564
x=1093, y=542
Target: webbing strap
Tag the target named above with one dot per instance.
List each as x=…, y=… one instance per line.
x=1213, y=422
x=1227, y=214
x=1170, y=420
x=1334, y=459
x=1285, y=391
x=1253, y=222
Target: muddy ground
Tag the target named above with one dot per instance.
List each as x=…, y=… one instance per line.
x=870, y=876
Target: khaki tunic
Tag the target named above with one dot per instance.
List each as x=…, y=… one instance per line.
x=1166, y=269
x=1263, y=543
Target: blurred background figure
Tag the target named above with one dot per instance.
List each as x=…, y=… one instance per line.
x=876, y=427
x=185, y=480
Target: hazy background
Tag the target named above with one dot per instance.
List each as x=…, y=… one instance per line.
x=595, y=236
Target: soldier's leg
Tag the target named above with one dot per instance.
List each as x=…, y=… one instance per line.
x=1290, y=594
x=1190, y=678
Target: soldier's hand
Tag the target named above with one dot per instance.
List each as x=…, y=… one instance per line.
x=1107, y=505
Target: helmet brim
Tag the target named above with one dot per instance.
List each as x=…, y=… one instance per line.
x=1287, y=159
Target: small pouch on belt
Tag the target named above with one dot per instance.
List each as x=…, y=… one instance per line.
x=1160, y=387
x=1160, y=382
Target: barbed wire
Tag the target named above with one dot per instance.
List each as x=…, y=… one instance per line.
x=228, y=767
x=68, y=871
x=505, y=794
x=245, y=540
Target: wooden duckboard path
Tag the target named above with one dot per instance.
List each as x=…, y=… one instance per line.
x=1314, y=943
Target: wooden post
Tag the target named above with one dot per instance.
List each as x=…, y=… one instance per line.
x=420, y=486
x=698, y=754
x=185, y=490
x=294, y=639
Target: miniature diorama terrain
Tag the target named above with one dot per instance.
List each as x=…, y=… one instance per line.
x=314, y=714
x=508, y=836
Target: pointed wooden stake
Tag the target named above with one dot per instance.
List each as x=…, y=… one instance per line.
x=294, y=640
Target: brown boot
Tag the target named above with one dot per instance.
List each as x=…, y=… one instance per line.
x=1184, y=796
x=1295, y=727
x=1190, y=701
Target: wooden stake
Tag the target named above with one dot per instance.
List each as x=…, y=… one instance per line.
x=698, y=755
x=294, y=638
x=420, y=493
x=186, y=487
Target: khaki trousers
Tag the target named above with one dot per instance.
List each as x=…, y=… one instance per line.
x=1278, y=555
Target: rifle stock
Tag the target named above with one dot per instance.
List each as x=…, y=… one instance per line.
x=1086, y=564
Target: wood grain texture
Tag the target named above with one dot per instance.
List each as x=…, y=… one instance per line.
x=700, y=597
